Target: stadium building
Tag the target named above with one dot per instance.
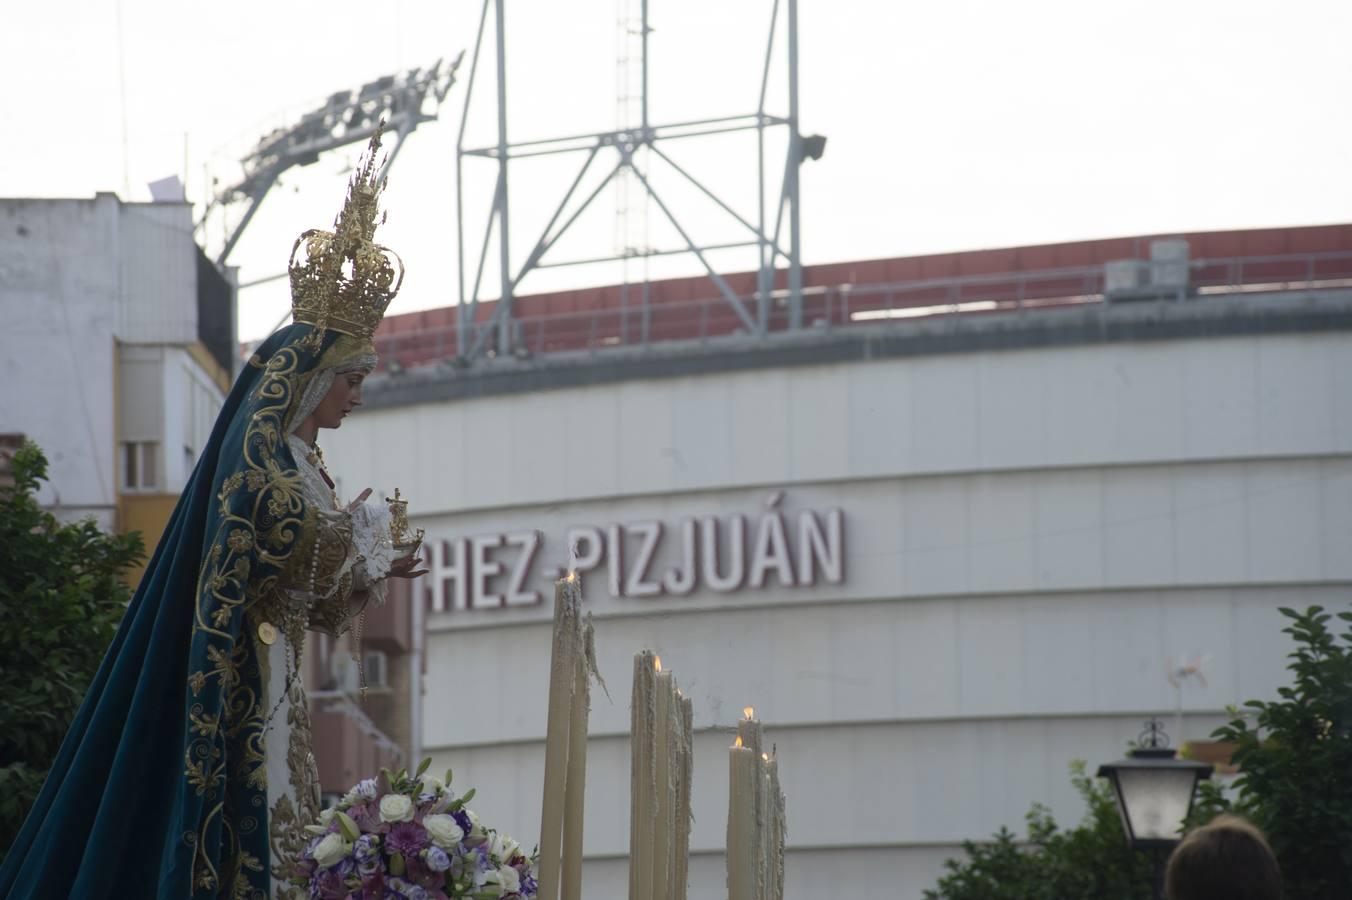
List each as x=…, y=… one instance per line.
x=978, y=518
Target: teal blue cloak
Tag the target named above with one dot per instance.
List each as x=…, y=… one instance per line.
x=160, y=789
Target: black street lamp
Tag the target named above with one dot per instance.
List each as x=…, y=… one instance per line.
x=1154, y=793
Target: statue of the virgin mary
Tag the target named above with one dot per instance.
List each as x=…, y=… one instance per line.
x=188, y=770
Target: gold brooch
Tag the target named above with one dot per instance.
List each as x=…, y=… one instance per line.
x=267, y=633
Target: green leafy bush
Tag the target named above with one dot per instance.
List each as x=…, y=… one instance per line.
x=1088, y=862
x=1295, y=762
x=60, y=604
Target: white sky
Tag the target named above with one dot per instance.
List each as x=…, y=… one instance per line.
x=952, y=125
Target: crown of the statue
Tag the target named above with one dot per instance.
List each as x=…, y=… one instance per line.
x=343, y=280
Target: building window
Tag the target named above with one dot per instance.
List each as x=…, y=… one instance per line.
x=377, y=666
x=139, y=469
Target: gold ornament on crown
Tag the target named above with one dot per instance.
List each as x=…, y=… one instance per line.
x=343, y=280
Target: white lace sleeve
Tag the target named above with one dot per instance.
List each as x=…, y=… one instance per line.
x=371, y=542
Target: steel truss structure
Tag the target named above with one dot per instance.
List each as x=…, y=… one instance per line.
x=613, y=152
x=402, y=101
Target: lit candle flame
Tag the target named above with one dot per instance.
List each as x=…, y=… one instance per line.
x=572, y=576
x=749, y=712
x=739, y=741
x=658, y=661
x=765, y=756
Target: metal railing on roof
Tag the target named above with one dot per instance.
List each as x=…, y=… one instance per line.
x=863, y=306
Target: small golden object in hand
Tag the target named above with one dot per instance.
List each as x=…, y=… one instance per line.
x=267, y=633
x=405, y=539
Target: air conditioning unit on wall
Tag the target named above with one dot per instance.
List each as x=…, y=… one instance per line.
x=1163, y=276
x=1169, y=264
x=1123, y=276
x=347, y=677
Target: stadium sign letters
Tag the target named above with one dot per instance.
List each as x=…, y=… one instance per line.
x=722, y=555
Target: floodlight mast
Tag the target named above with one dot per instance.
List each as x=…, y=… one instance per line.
x=347, y=117
x=473, y=339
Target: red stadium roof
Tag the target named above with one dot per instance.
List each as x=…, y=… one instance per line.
x=851, y=293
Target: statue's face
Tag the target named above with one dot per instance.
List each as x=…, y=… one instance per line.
x=344, y=396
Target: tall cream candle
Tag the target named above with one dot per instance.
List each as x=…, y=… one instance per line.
x=749, y=730
x=662, y=798
x=574, y=800
x=643, y=775
x=685, y=770
x=562, y=675
x=775, y=868
x=742, y=840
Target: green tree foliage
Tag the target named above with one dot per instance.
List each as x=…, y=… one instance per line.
x=1295, y=762
x=60, y=604
x=1089, y=862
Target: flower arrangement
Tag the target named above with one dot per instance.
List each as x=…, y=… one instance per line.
x=408, y=836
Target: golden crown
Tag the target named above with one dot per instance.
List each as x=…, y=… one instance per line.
x=344, y=280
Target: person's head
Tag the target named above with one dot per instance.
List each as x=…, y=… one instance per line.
x=1226, y=859
x=343, y=396
x=331, y=388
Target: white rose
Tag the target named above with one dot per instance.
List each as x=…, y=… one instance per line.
x=331, y=850
x=511, y=880
x=503, y=847
x=444, y=830
x=396, y=808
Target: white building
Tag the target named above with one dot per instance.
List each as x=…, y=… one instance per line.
x=115, y=354
x=1036, y=510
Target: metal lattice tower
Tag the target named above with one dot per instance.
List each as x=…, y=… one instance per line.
x=627, y=155
x=632, y=238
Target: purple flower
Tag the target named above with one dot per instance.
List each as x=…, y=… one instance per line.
x=366, y=852
x=367, y=818
x=373, y=886
x=437, y=860
x=463, y=821
x=328, y=886
x=408, y=838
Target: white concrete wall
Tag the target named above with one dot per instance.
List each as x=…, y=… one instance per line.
x=158, y=274
x=59, y=296
x=78, y=278
x=1029, y=535
x=1115, y=404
